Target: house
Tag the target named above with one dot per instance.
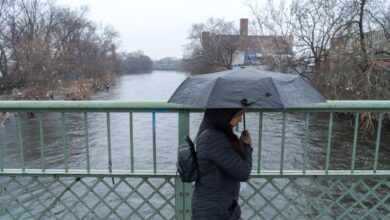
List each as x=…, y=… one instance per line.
x=377, y=45
x=254, y=49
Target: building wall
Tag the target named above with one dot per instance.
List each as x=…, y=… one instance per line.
x=375, y=41
x=251, y=48
x=238, y=58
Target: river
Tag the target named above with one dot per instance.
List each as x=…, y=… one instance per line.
x=158, y=86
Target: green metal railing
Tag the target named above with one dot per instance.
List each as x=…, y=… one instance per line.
x=90, y=193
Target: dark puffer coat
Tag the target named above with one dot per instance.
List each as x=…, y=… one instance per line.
x=221, y=169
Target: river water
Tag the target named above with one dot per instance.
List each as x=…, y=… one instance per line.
x=158, y=86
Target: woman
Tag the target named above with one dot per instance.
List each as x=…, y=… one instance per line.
x=224, y=160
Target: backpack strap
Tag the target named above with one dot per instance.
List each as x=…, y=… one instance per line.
x=201, y=133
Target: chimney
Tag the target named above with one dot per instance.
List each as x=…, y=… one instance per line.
x=205, y=38
x=244, y=26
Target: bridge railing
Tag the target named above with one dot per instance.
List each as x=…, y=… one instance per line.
x=274, y=191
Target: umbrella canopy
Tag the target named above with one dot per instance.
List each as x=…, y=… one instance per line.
x=246, y=88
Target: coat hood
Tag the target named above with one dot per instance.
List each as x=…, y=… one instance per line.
x=217, y=119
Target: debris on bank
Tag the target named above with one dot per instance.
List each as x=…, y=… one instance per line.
x=78, y=89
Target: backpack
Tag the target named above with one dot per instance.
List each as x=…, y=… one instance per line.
x=187, y=164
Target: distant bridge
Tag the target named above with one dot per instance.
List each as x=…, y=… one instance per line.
x=165, y=67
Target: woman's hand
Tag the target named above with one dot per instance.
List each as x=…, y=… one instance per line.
x=245, y=137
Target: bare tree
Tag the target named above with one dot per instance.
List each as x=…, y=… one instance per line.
x=211, y=46
x=315, y=24
x=3, y=49
x=348, y=40
x=274, y=19
x=344, y=37
x=135, y=62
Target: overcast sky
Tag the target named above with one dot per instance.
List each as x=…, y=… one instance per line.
x=158, y=27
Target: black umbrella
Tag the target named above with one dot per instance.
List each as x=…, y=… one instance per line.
x=246, y=88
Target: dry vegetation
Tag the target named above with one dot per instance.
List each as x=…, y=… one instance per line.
x=47, y=50
x=341, y=46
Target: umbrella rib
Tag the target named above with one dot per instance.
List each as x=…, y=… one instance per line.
x=277, y=92
x=211, y=91
x=178, y=88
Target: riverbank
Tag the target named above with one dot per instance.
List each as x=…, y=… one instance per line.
x=78, y=89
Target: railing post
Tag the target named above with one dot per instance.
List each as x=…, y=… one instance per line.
x=179, y=199
x=183, y=190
